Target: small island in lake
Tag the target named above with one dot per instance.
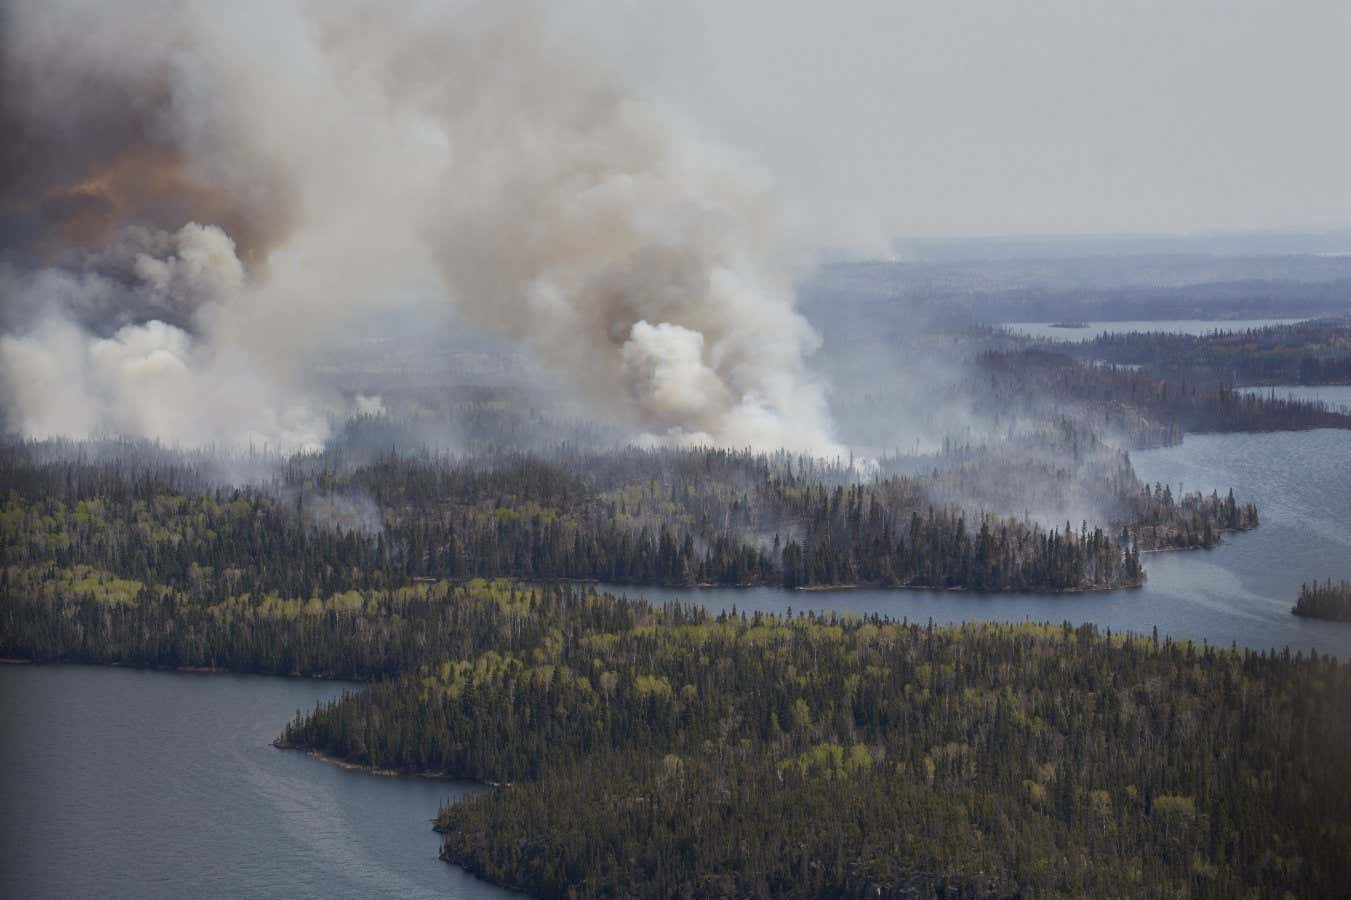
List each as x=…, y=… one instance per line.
x=1325, y=601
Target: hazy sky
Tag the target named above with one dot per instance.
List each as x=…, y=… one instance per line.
x=959, y=117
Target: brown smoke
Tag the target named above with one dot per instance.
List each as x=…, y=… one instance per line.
x=150, y=186
x=92, y=144
x=473, y=150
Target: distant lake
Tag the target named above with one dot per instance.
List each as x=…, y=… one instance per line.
x=1049, y=332
x=1239, y=593
x=1337, y=396
x=117, y=783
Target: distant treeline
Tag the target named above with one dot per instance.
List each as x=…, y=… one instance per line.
x=1313, y=352
x=1134, y=405
x=1325, y=601
x=1092, y=289
x=140, y=556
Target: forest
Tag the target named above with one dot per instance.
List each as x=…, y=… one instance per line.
x=326, y=524
x=1032, y=753
x=1325, y=600
x=669, y=752
x=1135, y=407
x=1313, y=352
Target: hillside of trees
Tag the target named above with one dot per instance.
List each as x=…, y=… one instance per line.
x=670, y=752
x=707, y=516
x=325, y=524
x=1325, y=601
x=1312, y=352
x=1134, y=407
x=1062, y=471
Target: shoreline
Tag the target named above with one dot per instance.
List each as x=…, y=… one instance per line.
x=368, y=769
x=865, y=586
x=1219, y=541
x=872, y=586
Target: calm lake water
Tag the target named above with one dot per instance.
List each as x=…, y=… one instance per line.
x=1239, y=593
x=116, y=783
x=1048, y=332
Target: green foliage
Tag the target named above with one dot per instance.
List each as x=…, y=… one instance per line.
x=671, y=752
x=683, y=517
x=820, y=755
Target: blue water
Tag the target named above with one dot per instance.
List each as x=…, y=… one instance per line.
x=1238, y=593
x=117, y=783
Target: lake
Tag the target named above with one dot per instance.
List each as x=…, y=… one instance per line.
x=1238, y=593
x=130, y=784
x=1047, y=331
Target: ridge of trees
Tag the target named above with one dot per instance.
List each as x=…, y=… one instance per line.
x=1307, y=353
x=1136, y=405
x=678, y=753
x=706, y=516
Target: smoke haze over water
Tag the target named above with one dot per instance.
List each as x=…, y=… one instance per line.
x=198, y=197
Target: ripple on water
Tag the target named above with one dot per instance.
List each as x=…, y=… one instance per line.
x=126, y=784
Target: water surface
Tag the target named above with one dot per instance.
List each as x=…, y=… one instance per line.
x=117, y=783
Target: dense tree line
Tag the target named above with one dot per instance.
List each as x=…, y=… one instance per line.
x=1062, y=469
x=679, y=517
x=86, y=615
x=1133, y=405
x=1325, y=601
x=1312, y=352
x=1163, y=522
x=687, y=754
x=855, y=538
x=702, y=516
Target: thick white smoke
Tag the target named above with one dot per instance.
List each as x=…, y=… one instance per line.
x=148, y=379
x=216, y=187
